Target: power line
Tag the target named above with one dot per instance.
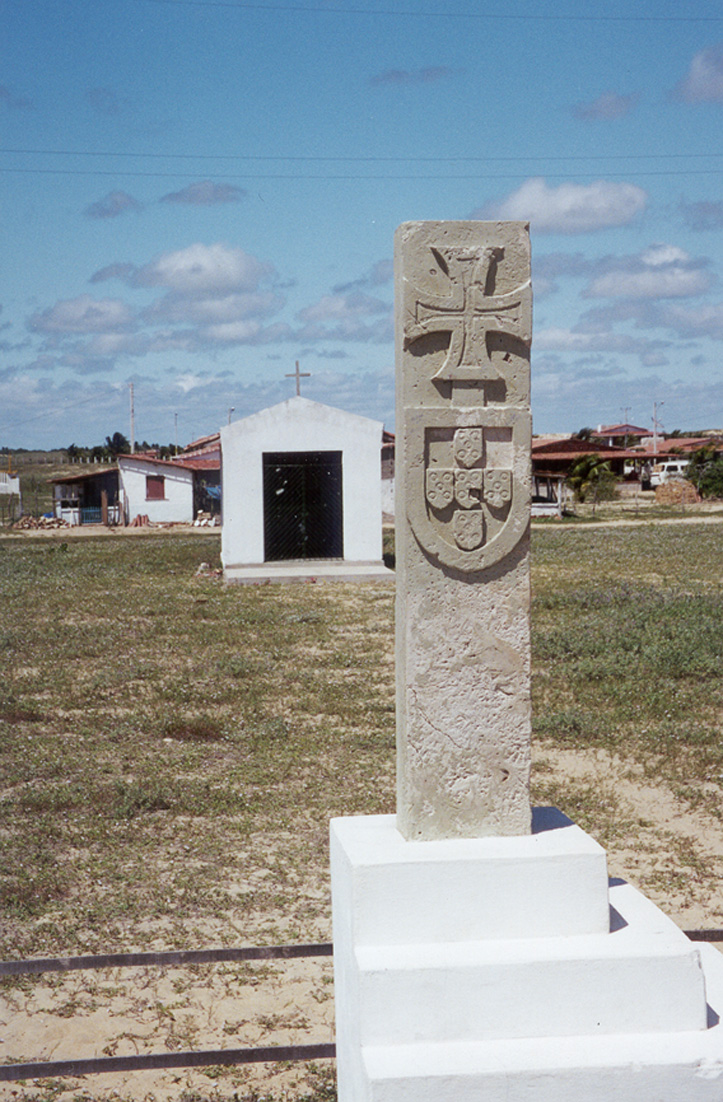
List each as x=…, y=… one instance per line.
x=356, y=159
x=349, y=177
x=506, y=17
x=55, y=409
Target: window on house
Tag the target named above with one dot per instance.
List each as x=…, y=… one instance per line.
x=155, y=487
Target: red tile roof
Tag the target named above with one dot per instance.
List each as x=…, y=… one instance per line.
x=621, y=430
x=199, y=463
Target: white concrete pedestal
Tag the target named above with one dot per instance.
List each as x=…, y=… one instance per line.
x=503, y=969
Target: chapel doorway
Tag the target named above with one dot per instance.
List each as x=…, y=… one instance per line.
x=302, y=506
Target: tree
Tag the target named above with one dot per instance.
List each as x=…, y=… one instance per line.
x=699, y=462
x=117, y=444
x=705, y=470
x=592, y=477
x=711, y=484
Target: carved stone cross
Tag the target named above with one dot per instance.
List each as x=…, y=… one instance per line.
x=468, y=309
x=462, y=529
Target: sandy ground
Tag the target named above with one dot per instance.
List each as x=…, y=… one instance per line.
x=115, y=1012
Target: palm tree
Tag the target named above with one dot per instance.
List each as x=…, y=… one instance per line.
x=592, y=475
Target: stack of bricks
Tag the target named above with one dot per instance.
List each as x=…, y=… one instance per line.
x=676, y=492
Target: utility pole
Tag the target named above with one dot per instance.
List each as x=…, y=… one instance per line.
x=625, y=411
x=133, y=422
x=656, y=425
x=175, y=418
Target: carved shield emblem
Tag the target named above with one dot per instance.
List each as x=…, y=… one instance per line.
x=446, y=462
x=498, y=488
x=465, y=483
x=440, y=488
x=468, y=529
x=468, y=446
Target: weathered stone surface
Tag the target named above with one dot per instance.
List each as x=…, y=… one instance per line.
x=464, y=318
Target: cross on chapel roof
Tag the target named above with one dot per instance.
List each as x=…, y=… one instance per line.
x=298, y=375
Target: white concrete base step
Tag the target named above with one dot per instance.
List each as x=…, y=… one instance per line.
x=307, y=570
x=644, y=976
x=680, y=1066
x=504, y=970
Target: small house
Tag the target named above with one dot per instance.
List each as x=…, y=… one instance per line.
x=156, y=488
x=139, y=485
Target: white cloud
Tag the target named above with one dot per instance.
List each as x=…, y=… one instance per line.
x=560, y=339
x=83, y=315
x=592, y=344
x=209, y=309
x=211, y=269
x=246, y=332
x=700, y=321
x=105, y=101
x=570, y=208
x=113, y=204
x=671, y=282
x=343, y=307
x=428, y=75
x=205, y=194
x=703, y=216
x=121, y=270
x=189, y=381
x=607, y=106
x=114, y=344
x=346, y=317
x=660, y=253
x=380, y=273
x=661, y=271
x=13, y=102
x=704, y=82
x=563, y=398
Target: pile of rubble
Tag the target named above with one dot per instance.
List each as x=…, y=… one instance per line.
x=28, y=522
x=676, y=492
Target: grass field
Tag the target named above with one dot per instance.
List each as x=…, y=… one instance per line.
x=172, y=750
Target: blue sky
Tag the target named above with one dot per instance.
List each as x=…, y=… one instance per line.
x=196, y=193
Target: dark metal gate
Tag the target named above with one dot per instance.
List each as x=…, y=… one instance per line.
x=302, y=506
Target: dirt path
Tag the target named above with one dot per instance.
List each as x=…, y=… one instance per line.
x=632, y=522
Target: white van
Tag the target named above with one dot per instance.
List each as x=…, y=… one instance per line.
x=672, y=468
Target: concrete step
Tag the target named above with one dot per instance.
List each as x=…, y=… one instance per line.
x=643, y=977
x=676, y=1066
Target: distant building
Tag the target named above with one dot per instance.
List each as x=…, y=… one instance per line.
x=11, y=504
x=619, y=436
x=301, y=494
x=89, y=498
x=156, y=488
x=139, y=485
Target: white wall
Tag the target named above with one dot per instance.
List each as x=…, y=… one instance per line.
x=177, y=508
x=300, y=425
x=388, y=496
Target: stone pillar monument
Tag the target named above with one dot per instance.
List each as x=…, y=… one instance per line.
x=464, y=325
x=478, y=953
